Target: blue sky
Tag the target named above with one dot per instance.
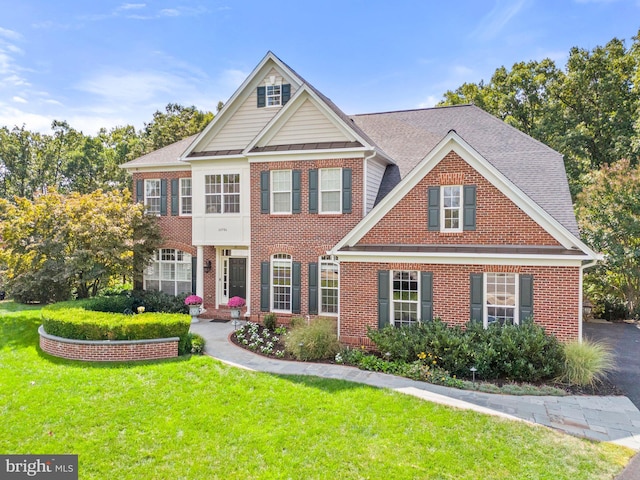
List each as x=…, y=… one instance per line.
x=106, y=63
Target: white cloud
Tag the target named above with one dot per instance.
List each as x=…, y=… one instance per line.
x=10, y=34
x=19, y=99
x=10, y=117
x=131, y=87
x=169, y=12
x=430, y=101
x=233, y=78
x=492, y=23
x=131, y=6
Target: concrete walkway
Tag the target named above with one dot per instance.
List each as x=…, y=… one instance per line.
x=609, y=419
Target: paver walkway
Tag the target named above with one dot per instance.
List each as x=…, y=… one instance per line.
x=611, y=419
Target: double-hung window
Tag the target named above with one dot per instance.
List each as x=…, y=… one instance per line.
x=501, y=299
x=274, y=95
x=186, y=205
x=152, y=196
x=451, y=208
x=281, y=191
x=281, y=265
x=222, y=193
x=329, y=277
x=330, y=190
x=405, y=297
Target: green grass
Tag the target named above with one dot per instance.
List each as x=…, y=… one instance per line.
x=197, y=418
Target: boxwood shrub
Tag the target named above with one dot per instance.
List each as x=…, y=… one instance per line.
x=71, y=320
x=511, y=352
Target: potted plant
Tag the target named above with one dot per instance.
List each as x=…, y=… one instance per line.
x=235, y=304
x=194, y=302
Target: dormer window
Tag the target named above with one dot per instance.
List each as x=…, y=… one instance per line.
x=274, y=95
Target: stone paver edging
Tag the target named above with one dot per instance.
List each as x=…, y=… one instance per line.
x=611, y=419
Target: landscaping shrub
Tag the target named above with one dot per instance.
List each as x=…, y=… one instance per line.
x=71, y=320
x=586, y=363
x=156, y=301
x=610, y=308
x=191, y=343
x=315, y=341
x=270, y=321
x=114, y=304
x=297, y=322
x=521, y=353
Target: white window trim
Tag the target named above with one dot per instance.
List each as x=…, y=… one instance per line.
x=392, y=301
x=485, y=305
x=267, y=96
x=222, y=194
x=459, y=209
x=273, y=192
x=181, y=196
x=159, y=197
x=332, y=260
x=272, y=300
x=157, y=259
x=321, y=210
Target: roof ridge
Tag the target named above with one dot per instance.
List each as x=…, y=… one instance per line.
x=415, y=109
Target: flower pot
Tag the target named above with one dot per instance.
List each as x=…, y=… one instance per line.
x=235, y=313
x=194, y=311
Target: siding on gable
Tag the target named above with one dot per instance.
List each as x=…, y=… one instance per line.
x=375, y=172
x=498, y=220
x=246, y=122
x=308, y=125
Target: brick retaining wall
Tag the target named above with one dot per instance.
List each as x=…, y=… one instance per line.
x=108, y=350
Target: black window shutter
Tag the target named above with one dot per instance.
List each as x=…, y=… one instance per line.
x=139, y=191
x=434, y=208
x=313, y=288
x=313, y=191
x=296, y=179
x=469, y=207
x=163, y=196
x=384, y=307
x=526, y=298
x=262, y=96
x=194, y=271
x=286, y=93
x=265, y=294
x=174, y=196
x=296, y=275
x=346, y=190
x=426, y=296
x=264, y=191
x=476, y=297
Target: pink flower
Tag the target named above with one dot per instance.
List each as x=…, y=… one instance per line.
x=193, y=300
x=236, y=302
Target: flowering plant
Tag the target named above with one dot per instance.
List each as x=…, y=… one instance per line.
x=140, y=309
x=236, y=302
x=193, y=300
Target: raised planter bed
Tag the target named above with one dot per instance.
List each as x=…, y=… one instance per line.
x=108, y=350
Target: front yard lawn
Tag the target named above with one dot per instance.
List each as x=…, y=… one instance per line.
x=194, y=418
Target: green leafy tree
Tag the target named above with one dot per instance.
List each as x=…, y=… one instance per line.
x=57, y=245
x=608, y=212
x=174, y=124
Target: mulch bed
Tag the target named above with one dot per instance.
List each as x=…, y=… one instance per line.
x=603, y=388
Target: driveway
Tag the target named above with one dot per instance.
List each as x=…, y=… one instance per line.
x=625, y=340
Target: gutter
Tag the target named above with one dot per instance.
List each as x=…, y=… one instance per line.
x=583, y=267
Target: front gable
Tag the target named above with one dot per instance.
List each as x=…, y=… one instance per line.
x=247, y=112
x=504, y=215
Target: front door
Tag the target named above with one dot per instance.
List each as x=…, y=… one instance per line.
x=238, y=277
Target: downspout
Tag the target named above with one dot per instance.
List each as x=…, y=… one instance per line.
x=582, y=269
x=365, y=172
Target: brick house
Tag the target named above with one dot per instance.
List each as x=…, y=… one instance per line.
x=376, y=219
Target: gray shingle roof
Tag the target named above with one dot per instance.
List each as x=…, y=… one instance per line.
x=166, y=156
x=408, y=136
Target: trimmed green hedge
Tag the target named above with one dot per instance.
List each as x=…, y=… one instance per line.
x=71, y=320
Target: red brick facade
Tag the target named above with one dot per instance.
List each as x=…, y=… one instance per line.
x=498, y=220
x=555, y=295
x=305, y=236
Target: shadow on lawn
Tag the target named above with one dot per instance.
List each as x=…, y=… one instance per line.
x=329, y=385
x=19, y=330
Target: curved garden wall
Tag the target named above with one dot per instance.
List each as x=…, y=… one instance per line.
x=108, y=350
